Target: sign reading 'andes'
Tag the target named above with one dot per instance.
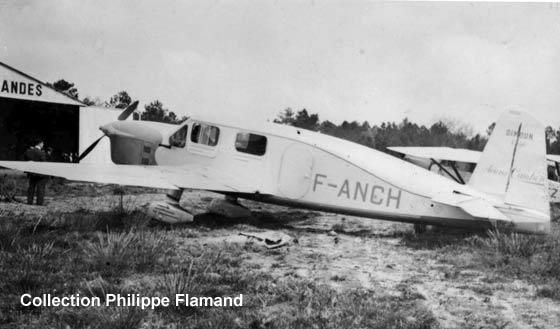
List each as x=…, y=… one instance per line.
x=21, y=88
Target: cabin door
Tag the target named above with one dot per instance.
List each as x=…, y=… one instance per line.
x=294, y=180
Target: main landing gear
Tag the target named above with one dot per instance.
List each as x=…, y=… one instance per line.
x=229, y=208
x=169, y=211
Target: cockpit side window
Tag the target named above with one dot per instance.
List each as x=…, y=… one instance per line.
x=250, y=143
x=179, y=138
x=205, y=134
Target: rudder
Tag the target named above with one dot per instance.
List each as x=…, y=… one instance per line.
x=512, y=166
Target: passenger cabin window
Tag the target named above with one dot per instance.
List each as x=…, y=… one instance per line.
x=205, y=134
x=179, y=138
x=250, y=143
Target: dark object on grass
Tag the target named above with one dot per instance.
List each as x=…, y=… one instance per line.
x=270, y=239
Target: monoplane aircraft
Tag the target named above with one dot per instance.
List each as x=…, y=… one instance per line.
x=289, y=166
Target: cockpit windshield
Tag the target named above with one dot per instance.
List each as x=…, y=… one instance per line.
x=179, y=138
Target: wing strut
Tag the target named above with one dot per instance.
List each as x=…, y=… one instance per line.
x=459, y=179
x=453, y=165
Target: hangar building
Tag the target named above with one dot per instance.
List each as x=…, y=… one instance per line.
x=30, y=109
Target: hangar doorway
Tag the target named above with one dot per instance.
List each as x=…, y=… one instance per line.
x=23, y=121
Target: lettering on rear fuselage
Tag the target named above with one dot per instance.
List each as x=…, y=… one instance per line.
x=360, y=191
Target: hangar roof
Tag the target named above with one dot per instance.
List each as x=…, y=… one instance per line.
x=26, y=88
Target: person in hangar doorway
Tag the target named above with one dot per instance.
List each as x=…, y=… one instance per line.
x=37, y=183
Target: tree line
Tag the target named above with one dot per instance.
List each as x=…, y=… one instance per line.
x=444, y=132
x=154, y=111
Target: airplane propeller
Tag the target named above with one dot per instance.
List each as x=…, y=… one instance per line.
x=128, y=111
x=90, y=148
x=123, y=116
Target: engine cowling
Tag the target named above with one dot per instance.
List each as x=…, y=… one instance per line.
x=169, y=212
x=132, y=142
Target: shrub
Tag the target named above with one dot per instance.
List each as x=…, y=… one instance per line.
x=8, y=188
x=207, y=272
x=535, y=258
x=110, y=252
x=100, y=317
x=178, y=283
x=28, y=266
x=99, y=287
x=9, y=234
x=150, y=248
x=117, y=218
x=513, y=244
x=113, y=254
x=123, y=214
x=322, y=306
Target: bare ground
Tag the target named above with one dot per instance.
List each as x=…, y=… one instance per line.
x=365, y=253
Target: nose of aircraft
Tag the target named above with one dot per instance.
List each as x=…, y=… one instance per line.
x=132, y=142
x=133, y=129
x=108, y=129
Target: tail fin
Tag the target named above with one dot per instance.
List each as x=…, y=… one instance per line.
x=512, y=166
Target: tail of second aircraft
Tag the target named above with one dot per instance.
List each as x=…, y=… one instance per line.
x=512, y=166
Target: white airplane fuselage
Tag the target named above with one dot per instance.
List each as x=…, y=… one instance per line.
x=285, y=165
x=310, y=170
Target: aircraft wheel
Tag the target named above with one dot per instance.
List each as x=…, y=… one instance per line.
x=228, y=208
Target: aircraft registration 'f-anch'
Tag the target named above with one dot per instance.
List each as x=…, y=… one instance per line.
x=285, y=165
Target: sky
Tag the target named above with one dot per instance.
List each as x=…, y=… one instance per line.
x=248, y=60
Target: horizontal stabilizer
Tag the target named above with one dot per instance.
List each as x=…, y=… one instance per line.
x=473, y=206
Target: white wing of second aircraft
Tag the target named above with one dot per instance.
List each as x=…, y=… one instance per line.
x=439, y=153
x=165, y=177
x=449, y=153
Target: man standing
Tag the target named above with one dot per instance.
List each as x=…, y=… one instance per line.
x=37, y=182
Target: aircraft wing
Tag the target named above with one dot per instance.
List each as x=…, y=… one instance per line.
x=165, y=177
x=439, y=153
x=449, y=153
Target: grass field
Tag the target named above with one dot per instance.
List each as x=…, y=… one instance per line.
x=371, y=275
x=90, y=255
